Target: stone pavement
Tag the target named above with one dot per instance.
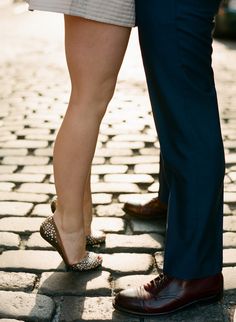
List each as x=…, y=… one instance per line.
x=33, y=95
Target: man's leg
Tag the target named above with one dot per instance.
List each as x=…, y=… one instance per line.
x=164, y=190
x=176, y=44
x=175, y=38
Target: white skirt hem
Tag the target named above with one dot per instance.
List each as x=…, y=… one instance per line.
x=124, y=18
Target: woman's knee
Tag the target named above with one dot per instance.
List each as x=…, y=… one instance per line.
x=94, y=97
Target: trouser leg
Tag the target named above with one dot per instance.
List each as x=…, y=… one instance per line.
x=163, y=193
x=176, y=44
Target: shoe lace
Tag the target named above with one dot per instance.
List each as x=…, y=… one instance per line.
x=158, y=282
x=160, y=279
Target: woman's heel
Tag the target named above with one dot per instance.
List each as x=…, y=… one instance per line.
x=96, y=238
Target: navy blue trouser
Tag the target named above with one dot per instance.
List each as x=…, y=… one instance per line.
x=176, y=44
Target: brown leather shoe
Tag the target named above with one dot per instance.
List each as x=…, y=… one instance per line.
x=153, y=209
x=165, y=295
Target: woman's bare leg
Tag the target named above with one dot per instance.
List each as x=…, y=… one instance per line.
x=94, y=53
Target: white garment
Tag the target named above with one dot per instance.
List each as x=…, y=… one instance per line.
x=118, y=12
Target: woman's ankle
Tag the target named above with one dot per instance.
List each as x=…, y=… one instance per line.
x=87, y=231
x=69, y=224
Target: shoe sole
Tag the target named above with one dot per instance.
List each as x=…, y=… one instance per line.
x=205, y=301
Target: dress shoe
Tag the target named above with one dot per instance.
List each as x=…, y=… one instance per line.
x=153, y=209
x=165, y=295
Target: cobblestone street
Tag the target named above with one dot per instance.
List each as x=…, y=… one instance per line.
x=34, y=91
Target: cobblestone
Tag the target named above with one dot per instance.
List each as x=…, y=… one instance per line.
x=147, y=168
x=115, y=187
x=106, y=152
x=41, y=210
x=31, y=261
x=40, y=138
x=7, y=168
x=35, y=241
x=17, y=281
x=104, y=169
x=227, y=210
x=9, y=240
x=229, y=240
x=101, y=198
x=22, y=177
x=19, y=196
x=113, y=210
x=231, y=158
x=32, y=131
x=80, y=284
x=230, y=223
x=25, y=144
x=93, y=179
x=21, y=305
x=149, y=151
x=38, y=188
x=47, y=169
x=121, y=145
x=229, y=279
x=213, y=313
x=131, y=281
x=13, y=152
x=27, y=160
x=10, y=320
x=159, y=258
x=229, y=257
x=232, y=175
x=44, y=152
x=141, y=198
x=135, y=178
x=139, y=243
x=230, y=197
x=134, y=160
x=20, y=225
x=98, y=160
x=7, y=137
x=127, y=263
x=6, y=186
x=109, y=225
x=137, y=137
x=15, y=208
x=138, y=226
x=154, y=187
x=96, y=309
